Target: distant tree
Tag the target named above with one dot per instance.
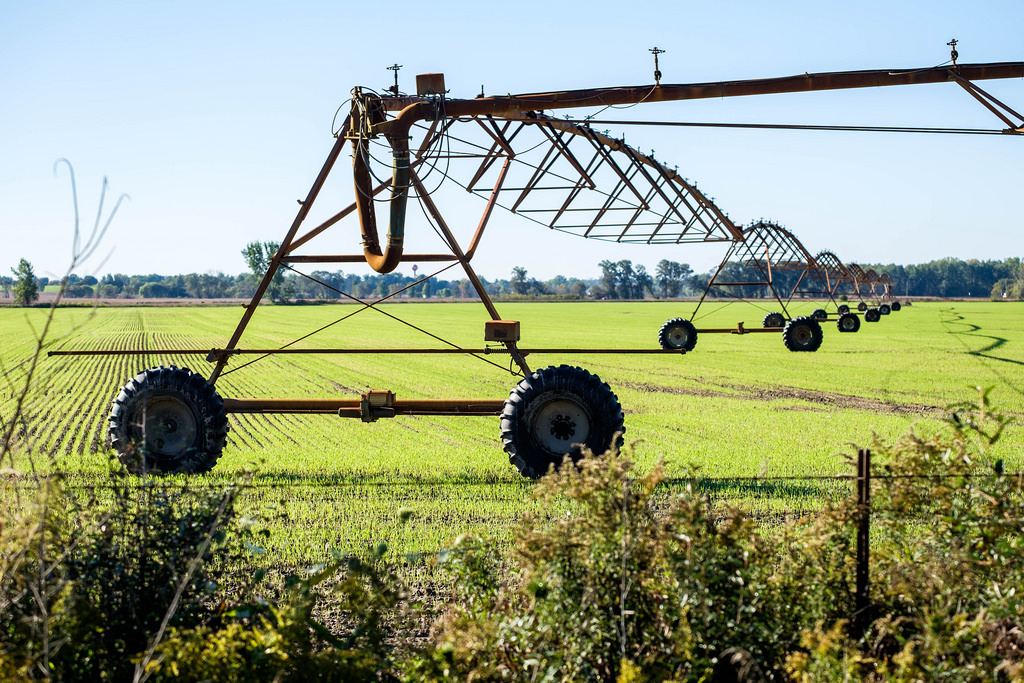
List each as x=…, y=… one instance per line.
x=258, y=256
x=609, y=278
x=5, y=285
x=332, y=283
x=78, y=291
x=153, y=290
x=626, y=280
x=525, y=286
x=672, y=277
x=536, y=288
x=644, y=282
x=518, y=281
x=26, y=289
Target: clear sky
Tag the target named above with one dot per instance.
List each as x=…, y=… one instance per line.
x=216, y=116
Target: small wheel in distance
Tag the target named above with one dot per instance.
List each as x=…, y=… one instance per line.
x=862, y=306
x=848, y=322
x=773, y=319
x=819, y=314
x=896, y=305
x=557, y=411
x=678, y=333
x=802, y=334
x=168, y=419
x=872, y=315
x=843, y=308
x=883, y=309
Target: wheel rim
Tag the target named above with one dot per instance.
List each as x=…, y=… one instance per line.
x=848, y=323
x=560, y=423
x=167, y=426
x=802, y=335
x=677, y=337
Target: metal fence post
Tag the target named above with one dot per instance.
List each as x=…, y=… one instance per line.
x=861, y=598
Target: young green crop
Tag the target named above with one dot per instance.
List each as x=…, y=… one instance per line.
x=737, y=406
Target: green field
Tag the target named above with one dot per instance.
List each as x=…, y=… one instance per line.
x=735, y=407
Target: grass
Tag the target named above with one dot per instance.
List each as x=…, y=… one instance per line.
x=735, y=407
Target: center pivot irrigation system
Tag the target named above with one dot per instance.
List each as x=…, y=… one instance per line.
x=560, y=173
x=767, y=249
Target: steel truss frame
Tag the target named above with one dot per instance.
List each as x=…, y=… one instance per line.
x=833, y=273
x=767, y=248
x=648, y=202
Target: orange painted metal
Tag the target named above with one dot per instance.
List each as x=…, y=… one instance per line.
x=350, y=407
x=214, y=354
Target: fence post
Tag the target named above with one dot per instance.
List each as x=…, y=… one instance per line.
x=861, y=598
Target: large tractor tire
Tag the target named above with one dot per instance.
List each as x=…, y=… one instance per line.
x=872, y=315
x=884, y=309
x=773, y=319
x=555, y=412
x=848, y=322
x=819, y=314
x=679, y=334
x=168, y=419
x=843, y=308
x=896, y=305
x=802, y=334
x=862, y=306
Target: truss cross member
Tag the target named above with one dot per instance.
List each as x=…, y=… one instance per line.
x=424, y=196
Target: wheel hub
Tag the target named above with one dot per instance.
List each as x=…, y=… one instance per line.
x=562, y=427
x=560, y=423
x=677, y=336
x=168, y=426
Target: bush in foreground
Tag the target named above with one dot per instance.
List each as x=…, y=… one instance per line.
x=629, y=584
x=625, y=584
x=620, y=579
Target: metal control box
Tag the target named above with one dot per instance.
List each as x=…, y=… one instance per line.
x=501, y=330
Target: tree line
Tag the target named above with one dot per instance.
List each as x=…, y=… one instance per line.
x=622, y=280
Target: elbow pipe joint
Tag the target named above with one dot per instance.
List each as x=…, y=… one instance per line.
x=385, y=259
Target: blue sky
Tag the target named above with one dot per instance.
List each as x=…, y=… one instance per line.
x=216, y=116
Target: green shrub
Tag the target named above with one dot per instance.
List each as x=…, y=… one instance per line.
x=89, y=582
x=617, y=579
x=629, y=582
x=947, y=563
x=621, y=581
x=267, y=641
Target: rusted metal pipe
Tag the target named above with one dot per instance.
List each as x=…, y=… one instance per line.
x=350, y=407
x=214, y=354
x=371, y=110
x=807, y=82
x=387, y=259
